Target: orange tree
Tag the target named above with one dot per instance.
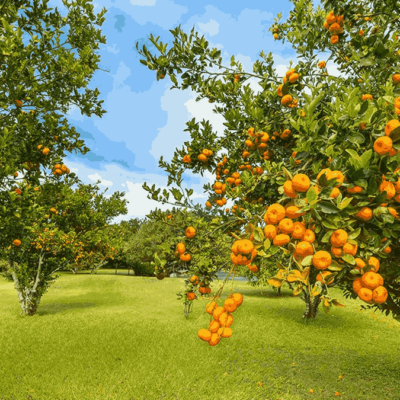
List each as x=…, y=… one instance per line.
x=311, y=162
x=88, y=212
x=53, y=227
x=165, y=241
x=34, y=248
x=39, y=79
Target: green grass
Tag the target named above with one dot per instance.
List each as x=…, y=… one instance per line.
x=123, y=337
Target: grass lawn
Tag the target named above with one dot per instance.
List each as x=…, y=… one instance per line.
x=109, y=336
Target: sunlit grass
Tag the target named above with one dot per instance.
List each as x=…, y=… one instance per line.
x=109, y=336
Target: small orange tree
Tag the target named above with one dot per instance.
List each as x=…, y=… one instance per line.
x=311, y=162
x=166, y=240
x=53, y=227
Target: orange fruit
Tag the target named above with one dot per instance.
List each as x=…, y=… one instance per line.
x=339, y=238
x=374, y=262
x=214, y=326
x=215, y=339
x=301, y=183
x=281, y=240
x=226, y=319
x=238, y=298
x=372, y=280
x=365, y=294
x=292, y=212
x=365, y=213
x=298, y=230
x=304, y=249
x=286, y=225
x=379, y=294
x=288, y=189
x=218, y=312
x=180, y=247
x=230, y=305
x=357, y=285
x=391, y=125
x=309, y=236
x=383, y=145
x=225, y=332
x=349, y=248
x=322, y=259
x=204, y=334
x=190, y=232
x=270, y=232
x=275, y=213
x=387, y=187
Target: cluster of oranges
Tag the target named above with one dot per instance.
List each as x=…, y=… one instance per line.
x=281, y=228
x=334, y=23
x=45, y=150
x=181, y=248
x=236, y=77
x=384, y=144
x=59, y=169
x=369, y=286
x=203, y=288
x=203, y=157
x=222, y=319
x=257, y=141
x=219, y=188
x=287, y=99
x=243, y=253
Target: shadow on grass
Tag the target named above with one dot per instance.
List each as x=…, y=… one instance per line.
x=55, y=308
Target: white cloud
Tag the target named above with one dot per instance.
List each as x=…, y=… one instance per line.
x=112, y=49
x=211, y=27
x=96, y=177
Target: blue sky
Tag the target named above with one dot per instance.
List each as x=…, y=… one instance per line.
x=145, y=119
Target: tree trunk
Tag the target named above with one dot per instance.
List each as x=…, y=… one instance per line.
x=28, y=297
x=29, y=302
x=312, y=304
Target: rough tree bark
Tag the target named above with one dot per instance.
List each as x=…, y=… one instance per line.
x=312, y=304
x=29, y=297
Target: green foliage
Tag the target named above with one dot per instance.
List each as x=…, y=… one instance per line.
x=39, y=82
x=331, y=126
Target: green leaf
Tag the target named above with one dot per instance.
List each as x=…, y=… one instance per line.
x=314, y=103
x=327, y=208
x=326, y=237
x=395, y=134
x=311, y=194
x=307, y=261
x=357, y=138
x=365, y=158
x=345, y=203
x=388, y=218
x=355, y=233
x=267, y=244
x=328, y=225
x=348, y=258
